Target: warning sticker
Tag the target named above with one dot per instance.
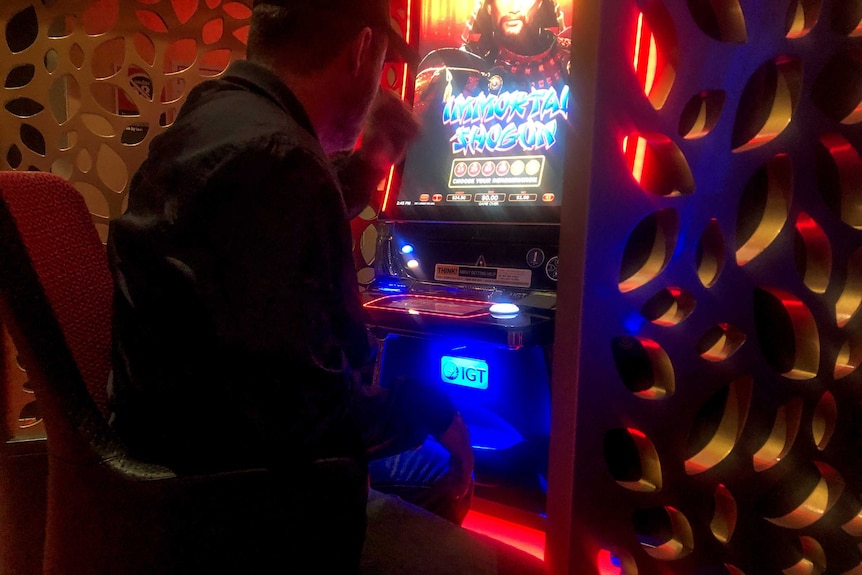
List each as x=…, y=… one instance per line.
x=482, y=275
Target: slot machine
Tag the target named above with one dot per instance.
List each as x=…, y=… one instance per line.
x=466, y=260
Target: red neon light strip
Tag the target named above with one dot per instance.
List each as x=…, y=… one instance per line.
x=526, y=539
x=375, y=304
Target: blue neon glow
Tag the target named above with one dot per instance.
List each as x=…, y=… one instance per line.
x=406, y=249
x=464, y=371
x=633, y=323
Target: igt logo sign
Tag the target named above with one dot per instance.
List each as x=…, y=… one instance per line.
x=464, y=371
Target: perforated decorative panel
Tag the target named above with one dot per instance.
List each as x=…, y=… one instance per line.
x=87, y=84
x=707, y=376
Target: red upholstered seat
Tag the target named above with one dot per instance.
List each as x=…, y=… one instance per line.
x=107, y=512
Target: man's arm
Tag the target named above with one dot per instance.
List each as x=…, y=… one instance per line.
x=390, y=127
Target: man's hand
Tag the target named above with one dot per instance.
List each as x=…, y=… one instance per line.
x=389, y=128
x=457, y=482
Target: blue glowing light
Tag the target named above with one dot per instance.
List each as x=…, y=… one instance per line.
x=406, y=249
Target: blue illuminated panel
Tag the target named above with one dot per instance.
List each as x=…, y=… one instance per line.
x=464, y=371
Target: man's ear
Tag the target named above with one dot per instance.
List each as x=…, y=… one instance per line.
x=360, y=50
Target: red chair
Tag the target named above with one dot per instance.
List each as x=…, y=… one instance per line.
x=107, y=512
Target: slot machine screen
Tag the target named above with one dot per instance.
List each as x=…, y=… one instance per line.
x=492, y=94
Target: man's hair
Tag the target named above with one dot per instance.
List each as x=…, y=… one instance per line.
x=301, y=39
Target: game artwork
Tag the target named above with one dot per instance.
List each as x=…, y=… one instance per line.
x=494, y=104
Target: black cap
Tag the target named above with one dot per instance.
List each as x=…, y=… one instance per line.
x=368, y=12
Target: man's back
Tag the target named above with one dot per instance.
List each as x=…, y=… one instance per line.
x=235, y=285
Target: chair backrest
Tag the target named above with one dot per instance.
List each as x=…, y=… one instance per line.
x=57, y=289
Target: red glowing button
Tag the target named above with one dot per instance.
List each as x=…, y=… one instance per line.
x=548, y=197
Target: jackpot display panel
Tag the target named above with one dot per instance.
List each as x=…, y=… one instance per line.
x=471, y=221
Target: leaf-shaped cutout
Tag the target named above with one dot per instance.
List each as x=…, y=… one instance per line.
x=241, y=34
x=76, y=56
x=657, y=164
x=67, y=140
x=134, y=134
x=100, y=17
x=801, y=498
x=84, y=161
x=368, y=244
x=787, y=333
x=151, y=21
x=664, y=533
x=722, y=20
x=778, y=443
x=108, y=58
x=14, y=157
x=847, y=18
x=167, y=118
x=849, y=356
x=725, y=514
x=237, y=10
x=145, y=48
x=718, y=426
x=211, y=4
x=668, y=307
x=644, y=367
x=720, y=342
x=632, y=460
x=648, y=249
x=65, y=100
x=33, y=139
x=51, y=60
x=22, y=29
x=850, y=301
x=62, y=26
x=141, y=83
x=24, y=107
x=767, y=103
x=709, y=256
x=810, y=560
x=20, y=76
x=837, y=89
x=94, y=198
x=212, y=31
x=853, y=527
x=180, y=55
x=214, y=62
x=813, y=253
x=113, y=99
x=763, y=208
x=29, y=415
x=184, y=9
x=98, y=125
x=366, y=275
x=63, y=167
x=173, y=90
x=112, y=169
x=839, y=178
x=824, y=421
x=802, y=15
x=701, y=114
x=655, y=53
